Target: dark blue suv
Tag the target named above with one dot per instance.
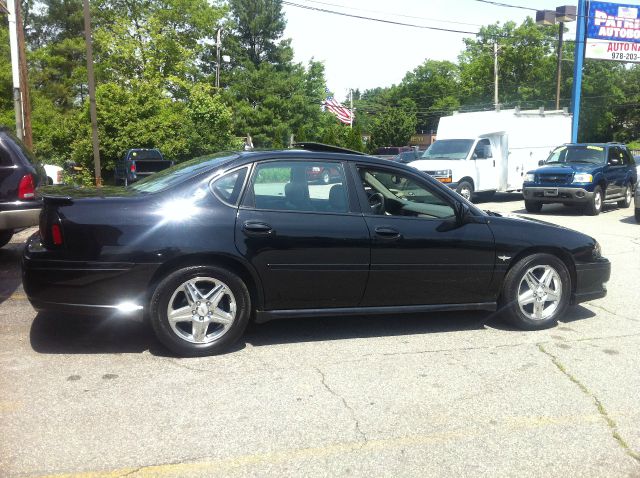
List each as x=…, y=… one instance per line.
x=587, y=174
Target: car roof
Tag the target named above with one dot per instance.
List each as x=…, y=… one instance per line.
x=300, y=154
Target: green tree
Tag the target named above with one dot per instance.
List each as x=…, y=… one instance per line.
x=394, y=126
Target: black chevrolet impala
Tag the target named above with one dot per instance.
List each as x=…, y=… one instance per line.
x=202, y=248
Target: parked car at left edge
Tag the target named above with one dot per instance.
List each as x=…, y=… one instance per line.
x=20, y=175
x=204, y=247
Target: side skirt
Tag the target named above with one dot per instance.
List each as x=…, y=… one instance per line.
x=267, y=315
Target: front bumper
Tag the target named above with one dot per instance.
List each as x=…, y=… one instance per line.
x=591, y=281
x=19, y=218
x=551, y=194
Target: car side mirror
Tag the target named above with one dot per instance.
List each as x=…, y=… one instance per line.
x=614, y=161
x=541, y=162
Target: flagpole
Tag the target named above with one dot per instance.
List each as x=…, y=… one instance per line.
x=351, y=106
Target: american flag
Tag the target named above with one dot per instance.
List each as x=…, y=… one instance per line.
x=345, y=115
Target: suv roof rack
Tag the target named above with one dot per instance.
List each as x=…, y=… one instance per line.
x=327, y=148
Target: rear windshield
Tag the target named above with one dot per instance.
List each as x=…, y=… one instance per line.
x=181, y=172
x=145, y=154
x=577, y=154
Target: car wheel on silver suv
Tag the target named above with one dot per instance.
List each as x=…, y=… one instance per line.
x=536, y=292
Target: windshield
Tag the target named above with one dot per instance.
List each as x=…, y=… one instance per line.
x=577, y=154
x=448, y=149
x=180, y=172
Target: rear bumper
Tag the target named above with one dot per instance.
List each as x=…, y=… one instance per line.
x=551, y=194
x=591, y=281
x=84, y=287
x=19, y=218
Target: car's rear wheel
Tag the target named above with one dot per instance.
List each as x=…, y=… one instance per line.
x=200, y=310
x=628, y=193
x=536, y=292
x=637, y=215
x=5, y=237
x=533, y=206
x=594, y=206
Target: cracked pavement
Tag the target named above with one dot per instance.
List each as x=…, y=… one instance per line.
x=432, y=395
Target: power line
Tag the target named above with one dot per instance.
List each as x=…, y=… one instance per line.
x=391, y=22
x=393, y=14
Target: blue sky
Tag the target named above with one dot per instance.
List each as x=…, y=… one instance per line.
x=364, y=54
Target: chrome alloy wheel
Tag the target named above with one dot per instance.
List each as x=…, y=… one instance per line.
x=201, y=310
x=627, y=195
x=540, y=292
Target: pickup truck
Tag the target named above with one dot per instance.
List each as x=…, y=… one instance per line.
x=587, y=174
x=139, y=163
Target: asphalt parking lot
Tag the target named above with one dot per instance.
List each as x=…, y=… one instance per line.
x=431, y=395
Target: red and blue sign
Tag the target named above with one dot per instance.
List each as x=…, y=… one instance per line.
x=613, y=32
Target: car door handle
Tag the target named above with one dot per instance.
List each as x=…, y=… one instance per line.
x=388, y=232
x=257, y=228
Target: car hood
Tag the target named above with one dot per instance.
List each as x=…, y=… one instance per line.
x=567, y=168
x=434, y=164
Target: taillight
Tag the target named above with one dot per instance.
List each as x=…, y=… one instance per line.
x=27, y=188
x=133, y=167
x=56, y=234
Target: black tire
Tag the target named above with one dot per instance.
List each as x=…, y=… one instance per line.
x=465, y=189
x=628, y=196
x=638, y=215
x=5, y=237
x=594, y=206
x=532, y=206
x=166, y=289
x=511, y=310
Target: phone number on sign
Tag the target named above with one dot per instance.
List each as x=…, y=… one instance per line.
x=625, y=56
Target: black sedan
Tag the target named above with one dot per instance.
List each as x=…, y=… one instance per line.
x=208, y=245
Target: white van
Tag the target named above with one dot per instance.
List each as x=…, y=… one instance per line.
x=489, y=151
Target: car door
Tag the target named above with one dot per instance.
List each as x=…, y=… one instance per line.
x=485, y=164
x=420, y=253
x=615, y=171
x=306, y=239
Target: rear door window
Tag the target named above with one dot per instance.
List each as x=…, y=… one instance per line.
x=300, y=186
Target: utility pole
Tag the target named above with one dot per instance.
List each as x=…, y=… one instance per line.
x=15, y=67
x=218, y=58
x=92, y=93
x=559, y=67
x=495, y=75
x=24, y=79
x=577, y=68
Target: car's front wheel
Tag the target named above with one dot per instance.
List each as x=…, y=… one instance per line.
x=465, y=189
x=536, y=292
x=594, y=206
x=200, y=310
x=628, y=193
